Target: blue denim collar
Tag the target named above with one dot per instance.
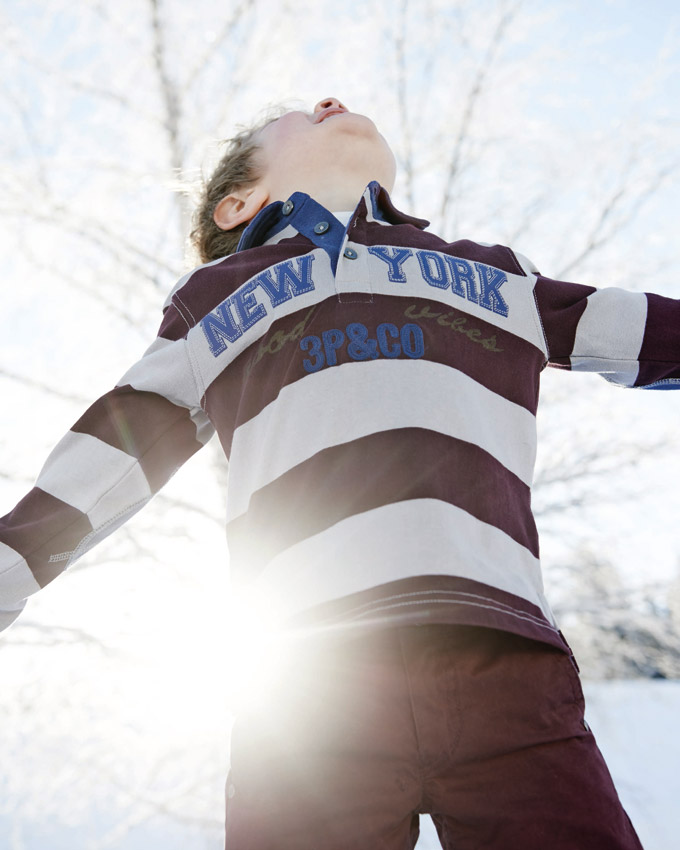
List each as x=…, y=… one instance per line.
x=304, y=214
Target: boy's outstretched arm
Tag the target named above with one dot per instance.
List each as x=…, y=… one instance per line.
x=631, y=338
x=108, y=466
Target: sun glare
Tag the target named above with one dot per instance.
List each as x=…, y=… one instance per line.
x=257, y=655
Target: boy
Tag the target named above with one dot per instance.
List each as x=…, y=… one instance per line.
x=375, y=390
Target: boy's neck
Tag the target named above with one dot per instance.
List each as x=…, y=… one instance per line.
x=343, y=193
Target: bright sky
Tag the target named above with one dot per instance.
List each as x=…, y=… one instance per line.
x=605, y=71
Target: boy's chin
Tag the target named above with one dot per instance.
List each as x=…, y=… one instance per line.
x=351, y=122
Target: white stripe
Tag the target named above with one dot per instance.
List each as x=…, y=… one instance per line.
x=354, y=276
x=158, y=344
x=517, y=291
x=166, y=369
x=93, y=477
x=365, y=274
x=361, y=399
x=288, y=232
x=610, y=333
x=8, y=617
x=617, y=371
x=528, y=265
x=204, y=427
x=16, y=579
x=399, y=541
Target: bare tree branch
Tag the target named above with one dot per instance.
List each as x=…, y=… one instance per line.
x=32, y=139
x=93, y=231
x=599, y=236
x=402, y=102
x=96, y=293
x=216, y=44
x=146, y=807
x=533, y=208
x=471, y=103
x=8, y=476
x=172, y=104
x=189, y=507
x=598, y=460
x=76, y=84
x=44, y=388
x=26, y=632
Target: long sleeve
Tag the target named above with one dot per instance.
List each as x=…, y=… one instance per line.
x=108, y=466
x=630, y=338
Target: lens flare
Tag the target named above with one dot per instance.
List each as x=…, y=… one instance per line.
x=258, y=653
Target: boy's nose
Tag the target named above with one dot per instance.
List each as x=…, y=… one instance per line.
x=329, y=102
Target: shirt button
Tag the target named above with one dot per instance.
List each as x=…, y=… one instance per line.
x=350, y=253
x=321, y=227
x=287, y=208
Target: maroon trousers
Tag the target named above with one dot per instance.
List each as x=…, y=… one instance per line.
x=481, y=729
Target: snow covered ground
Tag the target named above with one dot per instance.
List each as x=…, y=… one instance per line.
x=635, y=722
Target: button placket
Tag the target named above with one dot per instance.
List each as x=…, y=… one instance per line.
x=352, y=279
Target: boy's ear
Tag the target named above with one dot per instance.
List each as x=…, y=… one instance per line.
x=239, y=206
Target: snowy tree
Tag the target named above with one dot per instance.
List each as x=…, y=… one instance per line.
x=110, y=114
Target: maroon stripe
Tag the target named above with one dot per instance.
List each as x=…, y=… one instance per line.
x=433, y=599
x=495, y=358
x=661, y=339
x=208, y=286
x=377, y=470
x=650, y=372
x=42, y=526
x=160, y=434
x=561, y=306
x=407, y=236
x=390, y=212
x=502, y=362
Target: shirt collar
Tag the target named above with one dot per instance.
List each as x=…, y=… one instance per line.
x=303, y=213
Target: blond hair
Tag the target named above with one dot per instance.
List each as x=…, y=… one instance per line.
x=238, y=167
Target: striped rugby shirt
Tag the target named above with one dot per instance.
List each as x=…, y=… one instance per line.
x=375, y=391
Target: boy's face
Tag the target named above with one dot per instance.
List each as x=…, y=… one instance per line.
x=302, y=150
